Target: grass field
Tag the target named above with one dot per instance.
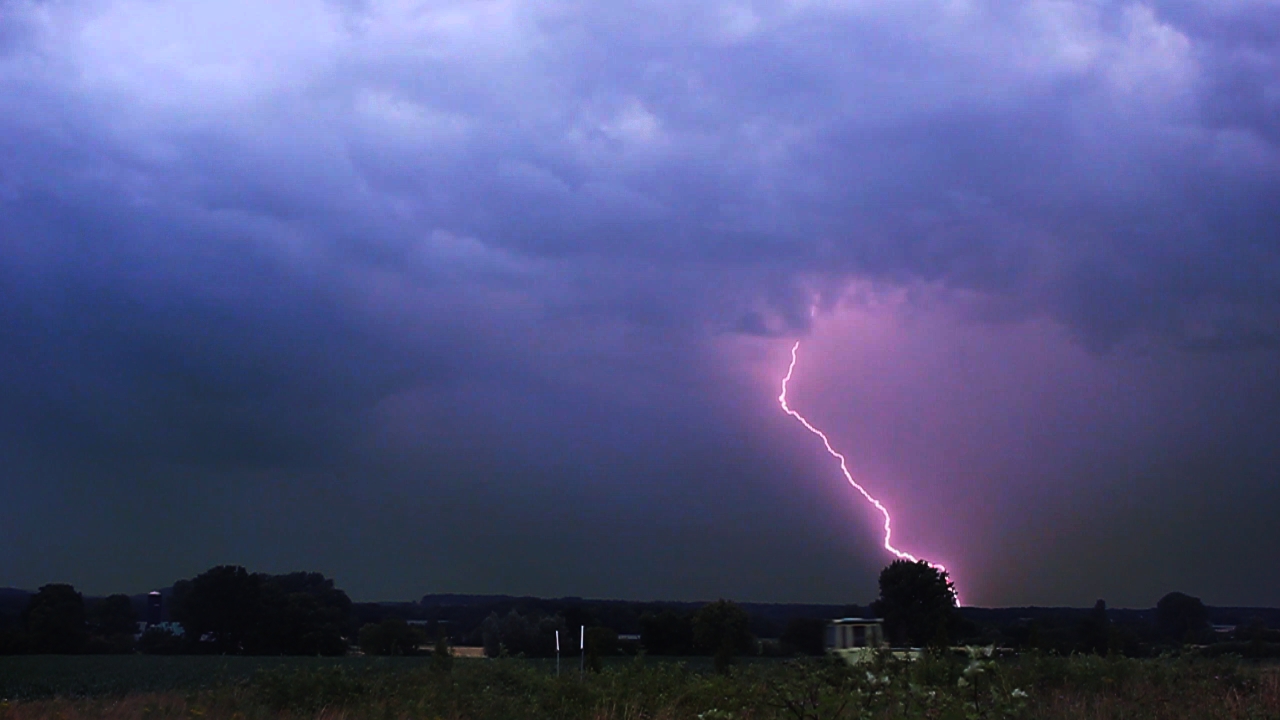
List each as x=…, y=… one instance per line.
x=71, y=688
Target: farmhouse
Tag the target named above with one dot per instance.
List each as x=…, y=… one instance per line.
x=857, y=640
x=850, y=633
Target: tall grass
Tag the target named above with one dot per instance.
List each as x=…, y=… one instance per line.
x=509, y=689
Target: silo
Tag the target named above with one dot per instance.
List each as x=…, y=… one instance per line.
x=154, y=605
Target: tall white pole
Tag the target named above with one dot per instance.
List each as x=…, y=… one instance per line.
x=557, y=653
x=582, y=648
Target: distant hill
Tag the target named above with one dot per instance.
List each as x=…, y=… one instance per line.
x=13, y=596
x=12, y=603
x=468, y=611
x=1123, y=616
x=1242, y=616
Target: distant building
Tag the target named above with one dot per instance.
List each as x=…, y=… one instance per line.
x=849, y=633
x=155, y=606
x=857, y=640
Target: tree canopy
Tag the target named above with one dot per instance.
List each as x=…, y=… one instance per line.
x=723, y=629
x=667, y=633
x=917, y=602
x=1181, y=617
x=238, y=612
x=55, y=620
x=113, y=615
x=392, y=636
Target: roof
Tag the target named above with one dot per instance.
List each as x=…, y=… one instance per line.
x=854, y=621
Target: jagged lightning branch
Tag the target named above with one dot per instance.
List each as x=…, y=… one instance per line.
x=844, y=468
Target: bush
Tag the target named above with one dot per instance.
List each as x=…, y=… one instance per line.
x=442, y=656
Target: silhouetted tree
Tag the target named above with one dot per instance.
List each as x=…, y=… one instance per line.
x=666, y=633
x=917, y=602
x=299, y=614
x=114, y=615
x=112, y=623
x=1255, y=630
x=600, y=641
x=222, y=603
x=491, y=635
x=804, y=636
x=1095, y=630
x=238, y=612
x=392, y=636
x=54, y=621
x=1180, y=617
x=722, y=628
x=442, y=655
x=528, y=635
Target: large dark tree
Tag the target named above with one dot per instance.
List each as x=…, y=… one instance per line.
x=600, y=641
x=114, y=615
x=804, y=636
x=1180, y=617
x=917, y=602
x=392, y=636
x=531, y=635
x=221, y=604
x=112, y=624
x=666, y=633
x=1095, y=630
x=299, y=614
x=54, y=621
x=722, y=628
x=228, y=610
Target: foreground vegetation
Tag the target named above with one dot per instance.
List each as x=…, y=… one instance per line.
x=1031, y=686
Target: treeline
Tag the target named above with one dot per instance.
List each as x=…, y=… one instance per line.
x=1177, y=620
x=466, y=613
x=917, y=603
x=57, y=620
x=527, y=626
x=719, y=629
x=228, y=610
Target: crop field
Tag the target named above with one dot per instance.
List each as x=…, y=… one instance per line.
x=1031, y=686
x=46, y=676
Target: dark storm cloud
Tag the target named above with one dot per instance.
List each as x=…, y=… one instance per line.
x=319, y=235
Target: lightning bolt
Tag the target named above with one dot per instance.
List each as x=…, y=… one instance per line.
x=844, y=467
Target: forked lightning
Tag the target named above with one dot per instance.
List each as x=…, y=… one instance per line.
x=844, y=468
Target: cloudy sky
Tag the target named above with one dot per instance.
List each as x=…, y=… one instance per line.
x=495, y=296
